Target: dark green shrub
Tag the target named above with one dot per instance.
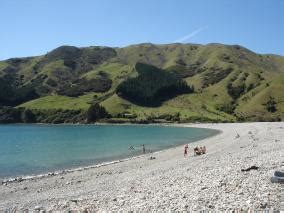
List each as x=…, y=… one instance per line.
x=59, y=116
x=28, y=116
x=10, y=95
x=51, y=82
x=96, y=112
x=235, y=92
x=271, y=105
x=10, y=115
x=250, y=87
x=215, y=74
x=227, y=108
x=79, y=87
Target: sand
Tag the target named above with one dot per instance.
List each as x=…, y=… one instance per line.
x=212, y=181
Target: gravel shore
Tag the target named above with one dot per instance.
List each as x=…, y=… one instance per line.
x=169, y=181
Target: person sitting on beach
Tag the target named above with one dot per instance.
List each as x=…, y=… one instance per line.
x=197, y=151
x=200, y=150
x=204, y=150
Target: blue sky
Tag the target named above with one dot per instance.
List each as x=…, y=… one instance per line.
x=33, y=27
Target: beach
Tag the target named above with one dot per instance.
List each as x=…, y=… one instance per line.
x=167, y=180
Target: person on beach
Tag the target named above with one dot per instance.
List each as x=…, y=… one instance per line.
x=204, y=150
x=197, y=151
x=200, y=150
x=185, y=150
x=143, y=149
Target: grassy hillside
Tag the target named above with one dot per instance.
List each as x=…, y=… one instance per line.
x=230, y=82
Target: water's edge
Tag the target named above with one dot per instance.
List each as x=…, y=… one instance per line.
x=106, y=163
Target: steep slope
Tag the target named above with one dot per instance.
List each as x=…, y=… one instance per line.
x=57, y=72
x=230, y=82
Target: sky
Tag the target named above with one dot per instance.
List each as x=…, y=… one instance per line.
x=34, y=27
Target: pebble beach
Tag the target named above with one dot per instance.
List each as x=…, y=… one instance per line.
x=234, y=174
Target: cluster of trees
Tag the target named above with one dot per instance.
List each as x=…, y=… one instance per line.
x=226, y=107
x=96, y=112
x=10, y=95
x=235, y=91
x=55, y=116
x=10, y=115
x=215, y=75
x=79, y=87
x=152, y=86
x=271, y=105
x=22, y=115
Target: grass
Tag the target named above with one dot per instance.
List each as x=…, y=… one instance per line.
x=3, y=65
x=116, y=71
x=253, y=103
x=60, y=102
x=188, y=106
x=262, y=75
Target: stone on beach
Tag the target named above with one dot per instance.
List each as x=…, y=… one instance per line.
x=213, y=181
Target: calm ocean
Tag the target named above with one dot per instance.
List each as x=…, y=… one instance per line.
x=35, y=149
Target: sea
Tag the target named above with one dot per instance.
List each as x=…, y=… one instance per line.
x=33, y=149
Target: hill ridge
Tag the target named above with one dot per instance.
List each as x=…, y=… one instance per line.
x=230, y=82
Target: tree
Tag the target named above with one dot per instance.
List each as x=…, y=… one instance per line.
x=96, y=112
x=10, y=115
x=28, y=116
x=271, y=105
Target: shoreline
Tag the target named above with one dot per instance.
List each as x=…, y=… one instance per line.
x=213, y=181
x=21, y=178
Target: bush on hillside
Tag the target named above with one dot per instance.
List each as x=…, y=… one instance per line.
x=27, y=116
x=10, y=115
x=226, y=107
x=271, y=105
x=215, y=75
x=12, y=96
x=57, y=116
x=79, y=87
x=235, y=91
x=96, y=112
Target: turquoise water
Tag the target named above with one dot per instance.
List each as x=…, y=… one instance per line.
x=35, y=149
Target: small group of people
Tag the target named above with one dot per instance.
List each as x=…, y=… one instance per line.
x=197, y=150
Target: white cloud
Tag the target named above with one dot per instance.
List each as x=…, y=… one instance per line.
x=190, y=35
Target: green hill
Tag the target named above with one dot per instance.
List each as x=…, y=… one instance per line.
x=142, y=83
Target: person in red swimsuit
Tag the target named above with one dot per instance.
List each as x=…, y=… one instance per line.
x=185, y=150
